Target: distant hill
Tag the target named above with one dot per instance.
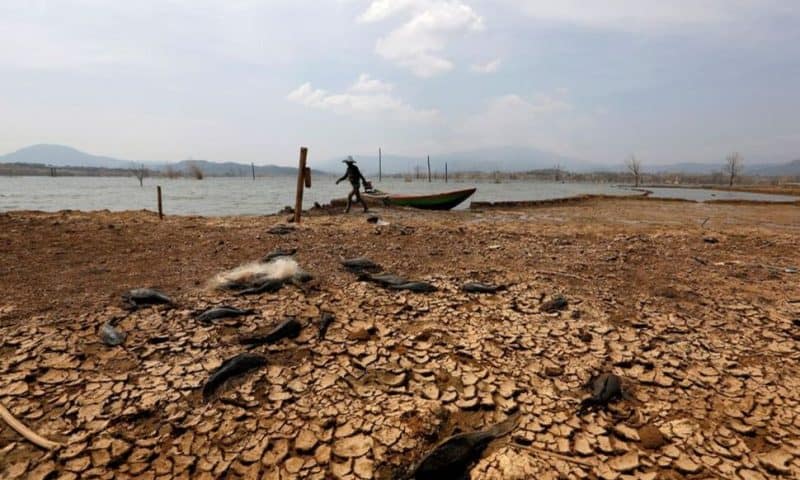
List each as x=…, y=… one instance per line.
x=61, y=156
x=767, y=170
x=228, y=169
x=790, y=169
x=64, y=156
x=504, y=159
x=507, y=159
x=690, y=168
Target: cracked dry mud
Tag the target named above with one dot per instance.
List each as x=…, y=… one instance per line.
x=705, y=336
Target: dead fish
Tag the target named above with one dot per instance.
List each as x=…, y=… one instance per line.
x=383, y=279
x=453, y=457
x=111, y=335
x=324, y=323
x=139, y=297
x=360, y=264
x=478, y=287
x=222, y=311
x=605, y=388
x=281, y=229
x=232, y=367
x=272, y=285
x=553, y=305
x=278, y=253
x=289, y=328
x=416, y=287
x=302, y=277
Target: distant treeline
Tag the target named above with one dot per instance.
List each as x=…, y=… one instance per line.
x=548, y=174
x=193, y=171
x=37, y=169
x=560, y=175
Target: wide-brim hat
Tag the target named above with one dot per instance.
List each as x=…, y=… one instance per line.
x=348, y=160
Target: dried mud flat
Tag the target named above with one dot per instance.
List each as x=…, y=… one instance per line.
x=696, y=307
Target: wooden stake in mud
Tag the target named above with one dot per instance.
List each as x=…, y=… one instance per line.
x=429, y=169
x=301, y=173
x=253, y=167
x=160, y=211
x=445, y=172
x=379, y=164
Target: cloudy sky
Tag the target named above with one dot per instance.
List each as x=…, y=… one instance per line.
x=252, y=80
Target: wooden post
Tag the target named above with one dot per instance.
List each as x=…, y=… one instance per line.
x=379, y=164
x=301, y=173
x=253, y=167
x=429, y=169
x=445, y=172
x=160, y=211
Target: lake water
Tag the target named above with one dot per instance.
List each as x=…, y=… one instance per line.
x=244, y=196
x=703, y=195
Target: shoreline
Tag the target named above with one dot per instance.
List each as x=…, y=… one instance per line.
x=332, y=208
x=781, y=189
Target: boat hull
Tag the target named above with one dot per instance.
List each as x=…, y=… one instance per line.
x=436, y=201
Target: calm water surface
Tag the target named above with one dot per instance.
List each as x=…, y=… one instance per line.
x=703, y=195
x=244, y=196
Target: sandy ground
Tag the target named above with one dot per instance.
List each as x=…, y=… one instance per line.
x=695, y=306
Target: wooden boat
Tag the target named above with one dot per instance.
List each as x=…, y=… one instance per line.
x=431, y=201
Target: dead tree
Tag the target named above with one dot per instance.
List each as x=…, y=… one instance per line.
x=171, y=173
x=635, y=167
x=733, y=167
x=196, y=171
x=139, y=173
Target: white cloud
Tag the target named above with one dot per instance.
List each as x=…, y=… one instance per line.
x=488, y=67
x=419, y=43
x=365, y=96
x=382, y=9
x=365, y=84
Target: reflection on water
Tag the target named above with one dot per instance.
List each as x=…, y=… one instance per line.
x=244, y=196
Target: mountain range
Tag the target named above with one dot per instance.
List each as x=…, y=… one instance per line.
x=520, y=159
x=64, y=156
x=505, y=159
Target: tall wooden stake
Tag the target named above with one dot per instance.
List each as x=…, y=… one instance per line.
x=253, y=167
x=445, y=172
x=301, y=173
x=160, y=211
x=379, y=164
x=429, y=169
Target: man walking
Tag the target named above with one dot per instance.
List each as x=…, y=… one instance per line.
x=353, y=174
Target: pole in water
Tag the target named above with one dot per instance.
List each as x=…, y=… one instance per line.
x=301, y=173
x=160, y=210
x=429, y=169
x=379, y=164
x=253, y=166
x=445, y=172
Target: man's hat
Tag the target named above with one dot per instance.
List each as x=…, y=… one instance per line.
x=349, y=159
